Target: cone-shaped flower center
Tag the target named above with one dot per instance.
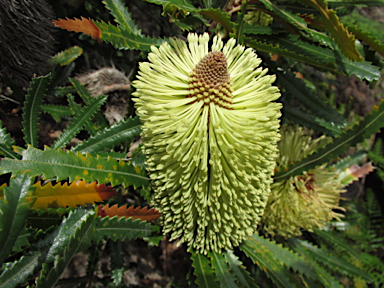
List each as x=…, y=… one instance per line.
x=210, y=80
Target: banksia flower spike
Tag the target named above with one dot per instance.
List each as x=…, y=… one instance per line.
x=306, y=201
x=210, y=129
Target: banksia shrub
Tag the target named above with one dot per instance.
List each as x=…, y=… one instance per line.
x=305, y=201
x=210, y=129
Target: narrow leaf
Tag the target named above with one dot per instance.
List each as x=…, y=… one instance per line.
x=82, y=25
x=269, y=261
x=367, y=38
x=122, y=211
x=14, y=209
x=32, y=106
x=57, y=111
x=63, y=165
x=222, y=270
x=19, y=270
x=122, y=132
x=79, y=121
x=121, y=228
x=357, y=134
x=333, y=262
x=184, y=5
x=122, y=16
x=74, y=245
x=67, y=56
x=76, y=109
x=203, y=271
x=345, y=41
x=6, y=143
x=242, y=275
x=218, y=16
x=78, y=193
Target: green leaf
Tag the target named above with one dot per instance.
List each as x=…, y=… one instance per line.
x=79, y=121
x=184, y=5
x=367, y=38
x=253, y=29
x=122, y=16
x=67, y=56
x=124, y=131
x=22, y=240
x=344, y=40
x=298, y=90
x=357, y=134
x=203, y=271
x=333, y=262
x=121, y=228
x=267, y=257
x=6, y=143
x=240, y=23
x=218, y=16
x=63, y=165
x=239, y=270
x=123, y=39
x=56, y=243
x=76, y=109
x=15, y=207
x=49, y=278
x=337, y=242
x=87, y=98
x=19, y=270
x=57, y=111
x=367, y=3
x=222, y=270
x=43, y=219
x=32, y=106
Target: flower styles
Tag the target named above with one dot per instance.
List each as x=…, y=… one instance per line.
x=210, y=129
x=305, y=201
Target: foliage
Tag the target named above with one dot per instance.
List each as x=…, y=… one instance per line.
x=67, y=198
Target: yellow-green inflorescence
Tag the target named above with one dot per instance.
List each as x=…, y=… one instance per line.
x=210, y=132
x=305, y=201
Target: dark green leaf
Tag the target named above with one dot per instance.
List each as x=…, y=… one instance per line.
x=203, y=271
x=63, y=165
x=6, y=143
x=15, y=207
x=367, y=38
x=57, y=111
x=124, y=131
x=67, y=56
x=79, y=121
x=122, y=16
x=222, y=270
x=242, y=275
x=32, y=108
x=357, y=134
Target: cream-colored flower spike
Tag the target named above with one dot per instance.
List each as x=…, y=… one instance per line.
x=210, y=129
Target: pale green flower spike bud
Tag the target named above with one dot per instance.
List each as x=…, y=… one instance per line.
x=306, y=201
x=210, y=132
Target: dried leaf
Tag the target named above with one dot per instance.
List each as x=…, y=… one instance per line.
x=77, y=193
x=131, y=211
x=360, y=172
x=83, y=25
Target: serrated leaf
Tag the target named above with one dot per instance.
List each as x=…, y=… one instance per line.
x=57, y=111
x=78, y=193
x=63, y=165
x=333, y=262
x=367, y=3
x=254, y=29
x=121, y=228
x=122, y=16
x=218, y=16
x=14, y=209
x=6, y=143
x=19, y=271
x=344, y=40
x=203, y=271
x=269, y=261
x=123, y=211
x=222, y=270
x=367, y=38
x=32, y=106
x=79, y=121
x=49, y=278
x=122, y=39
x=357, y=134
x=67, y=56
x=298, y=90
x=124, y=131
x=22, y=240
x=76, y=109
x=44, y=219
x=82, y=25
x=242, y=275
x=184, y=5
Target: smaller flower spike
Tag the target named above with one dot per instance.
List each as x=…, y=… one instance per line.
x=210, y=130
x=306, y=201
